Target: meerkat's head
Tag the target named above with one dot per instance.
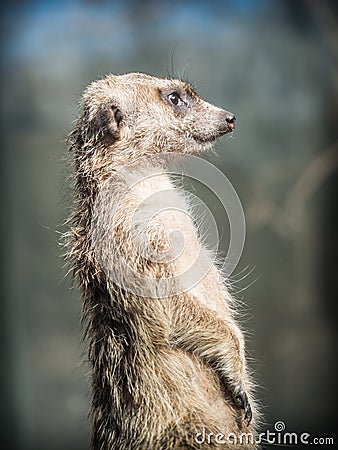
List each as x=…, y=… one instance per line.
x=137, y=114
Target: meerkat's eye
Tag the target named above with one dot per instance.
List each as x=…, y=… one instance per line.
x=175, y=98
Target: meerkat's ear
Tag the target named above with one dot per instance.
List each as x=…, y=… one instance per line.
x=107, y=124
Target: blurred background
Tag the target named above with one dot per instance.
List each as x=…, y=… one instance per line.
x=275, y=65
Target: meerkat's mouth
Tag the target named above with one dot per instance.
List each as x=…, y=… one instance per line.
x=204, y=139
x=211, y=138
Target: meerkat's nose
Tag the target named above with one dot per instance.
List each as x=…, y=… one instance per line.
x=230, y=119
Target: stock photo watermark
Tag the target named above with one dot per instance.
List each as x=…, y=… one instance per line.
x=148, y=204
x=277, y=436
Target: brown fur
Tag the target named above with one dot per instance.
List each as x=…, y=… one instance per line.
x=163, y=366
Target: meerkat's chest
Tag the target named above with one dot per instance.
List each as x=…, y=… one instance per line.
x=166, y=230
x=157, y=207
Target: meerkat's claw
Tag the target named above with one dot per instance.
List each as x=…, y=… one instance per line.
x=241, y=399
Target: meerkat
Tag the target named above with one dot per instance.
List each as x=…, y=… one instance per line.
x=167, y=357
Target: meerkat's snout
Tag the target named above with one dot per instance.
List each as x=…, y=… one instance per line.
x=227, y=120
x=224, y=123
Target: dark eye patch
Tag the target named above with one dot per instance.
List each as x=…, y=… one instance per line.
x=176, y=97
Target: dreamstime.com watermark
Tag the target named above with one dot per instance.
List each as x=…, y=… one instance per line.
x=142, y=198
x=276, y=436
